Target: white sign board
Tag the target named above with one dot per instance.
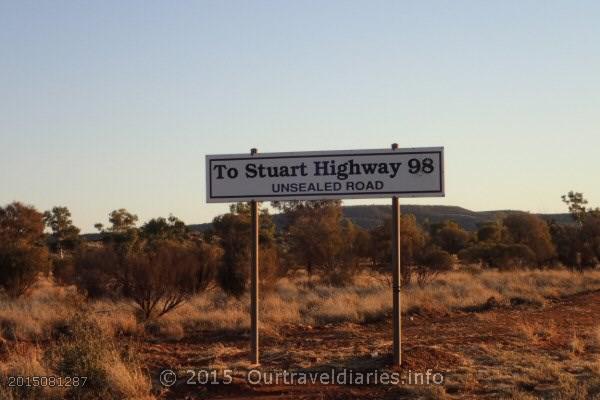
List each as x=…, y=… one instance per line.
x=410, y=172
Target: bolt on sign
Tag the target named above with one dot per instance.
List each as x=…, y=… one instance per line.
x=316, y=175
x=411, y=172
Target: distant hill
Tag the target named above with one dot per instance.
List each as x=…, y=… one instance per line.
x=373, y=215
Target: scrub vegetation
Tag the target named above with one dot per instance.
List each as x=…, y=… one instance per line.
x=141, y=298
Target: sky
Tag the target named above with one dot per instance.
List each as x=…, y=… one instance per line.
x=114, y=104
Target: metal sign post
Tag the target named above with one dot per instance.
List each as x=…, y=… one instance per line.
x=396, y=274
x=254, y=350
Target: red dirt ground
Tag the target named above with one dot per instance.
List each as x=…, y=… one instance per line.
x=451, y=344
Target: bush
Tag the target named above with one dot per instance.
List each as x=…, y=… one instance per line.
x=63, y=270
x=493, y=232
x=94, y=271
x=20, y=264
x=84, y=351
x=158, y=279
x=412, y=243
x=232, y=232
x=590, y=236
x=23, y=254
x=449, y=236
x=498, y=255
x=433, y=262
x=533, y=232
x=161, y=279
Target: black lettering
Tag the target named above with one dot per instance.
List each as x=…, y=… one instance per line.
x=395, y=168
x=251, y=171
x=232, y=173
x=354, y=168
x=303, y=169
x=341, y=172
x=261, y=171
x=219, y=169
x=321, y=168
x=272, y=172
x=369, y=168
x=284, y=171
x=383, y=168
x=414, y=166
x=428, y=165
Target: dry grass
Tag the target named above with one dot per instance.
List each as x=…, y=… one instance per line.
x=297, y=299
x=549, y=375
x=51, y=315
x=538, y=332
x=24, y=361
x=34, y=317
x=577, y=345
x=128, y=380
x=301, y=301
x=460, y=290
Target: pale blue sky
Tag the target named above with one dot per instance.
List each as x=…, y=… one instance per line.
x=113, y=104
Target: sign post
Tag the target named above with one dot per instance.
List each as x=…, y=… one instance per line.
x=396, y=275
x=254, y=302
x=318, y=175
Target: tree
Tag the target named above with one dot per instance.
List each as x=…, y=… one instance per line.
x=317, y=236
x=356, y=245
x=296, y=208
x=20, y=265
x=122, y=233
x=578, y=245
x=157, y=279
x=533, y=232
x=232, y=232
x=568, y=244
x=493, y=232
x=498, y=255
x=23, y=254
x=434, y=261
x=590, y=237
x=21, y=222
x=122, y=220
x=576, y=203
x=412, y=244
x=64, y=234
x=449, y=236
x=160, y=228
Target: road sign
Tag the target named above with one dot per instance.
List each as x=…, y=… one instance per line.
x=409, y=172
